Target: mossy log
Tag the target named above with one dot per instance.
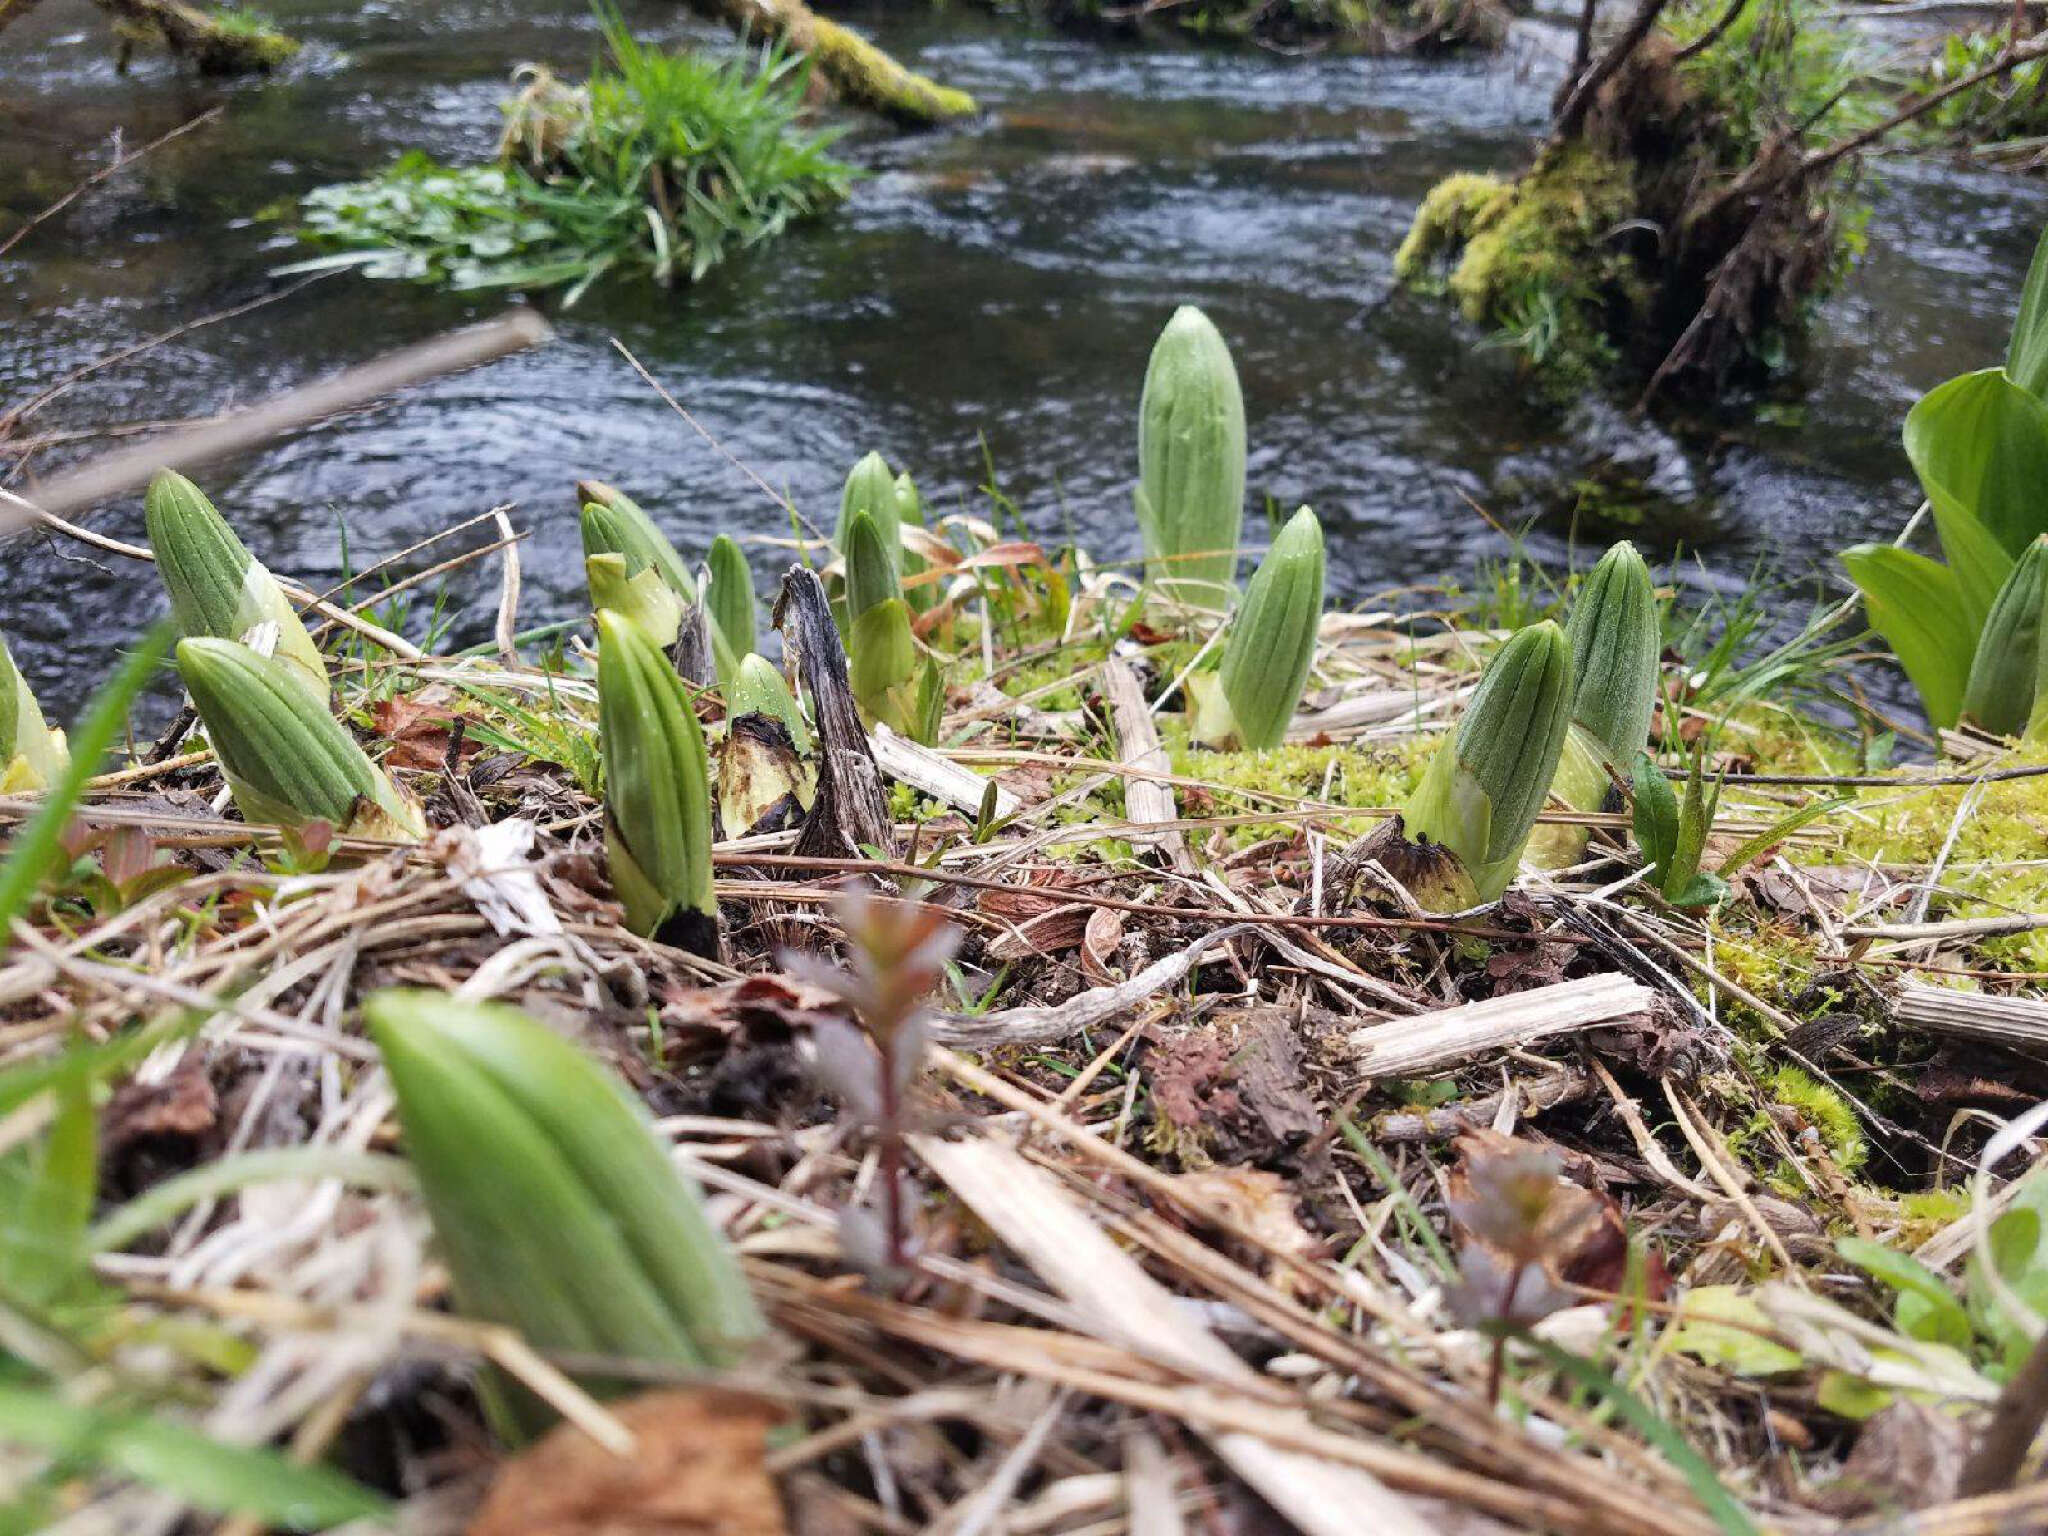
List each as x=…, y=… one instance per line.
x=215, y=45
x=861, y=74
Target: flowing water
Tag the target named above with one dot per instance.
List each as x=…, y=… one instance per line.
x=988, y=296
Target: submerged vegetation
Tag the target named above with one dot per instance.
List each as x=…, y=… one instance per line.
x=661, y=165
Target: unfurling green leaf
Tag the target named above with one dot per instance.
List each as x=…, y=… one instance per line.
x=871, y=576
x=870, y=488
x=731, y=596
x=32, y=755
x=643, y=597
x=1191, y=462
x=613, y=524
x=657, y=790
x=882, y=666
x=1616, y=639
x=287, y=760
x=1917, y=605
x=557, y=1208
x=217, y=587
x=1999, y=696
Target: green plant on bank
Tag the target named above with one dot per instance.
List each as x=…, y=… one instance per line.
x=1780, y=61
x=730, y=596
x=661, y=166
x=32, y=755
x=288, y=761
x=218, y=588
x=1979, y=1323
x=1191, y=463
x=2012, y=105
x=893, y=683
x=1472, y=814
x=1271, y=644
x=613, y=523
x=555, y=1204
x=1617, y=637
x=1967, y=629
x=657, y=791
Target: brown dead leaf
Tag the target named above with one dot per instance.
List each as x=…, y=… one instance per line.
x=1099, y=941
x=419, y=732
x=1049, y=933
x=1908, y=1456
x=183, y=1104
x=696, y=1470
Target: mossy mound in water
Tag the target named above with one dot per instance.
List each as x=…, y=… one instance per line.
x=1534, y=258
x=1672, y=224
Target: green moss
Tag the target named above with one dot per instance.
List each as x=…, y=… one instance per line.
x=1927, y=1212
x=1824, y=1111
x=1994, y=865
x=1534, y=261
x=1241, y=782
x=1446, y=220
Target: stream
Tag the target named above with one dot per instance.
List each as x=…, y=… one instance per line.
x=987, y=297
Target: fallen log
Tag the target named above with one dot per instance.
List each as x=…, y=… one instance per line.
x=861, y=74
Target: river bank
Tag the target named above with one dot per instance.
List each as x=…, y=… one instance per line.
x=985, y=286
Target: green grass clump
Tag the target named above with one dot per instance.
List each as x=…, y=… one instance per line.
x=662, y=166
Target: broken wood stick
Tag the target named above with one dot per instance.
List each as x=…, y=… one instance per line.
x=1430, y=1041
x=2018, y=1023
x=930, y=773
x=259, y=424
x=1147, y=801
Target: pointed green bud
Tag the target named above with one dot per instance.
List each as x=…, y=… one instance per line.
x=1616, y=640
x=1999, y=696
x=870, y=488
x=217, y=587
x=730, y=595
x=287, y=760
x=759, y=689
x=643, y=597
x=32, y=756
x=613, y=524
x=657, y=790
x=556, y=1206
x=1273, y=638
x=1483, y=789
x=909, y=505
x=870, y=570
x=1191, y=461
x=910, y=514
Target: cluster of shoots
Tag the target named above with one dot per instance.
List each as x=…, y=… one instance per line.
x=260, y=684
x=1558, y=711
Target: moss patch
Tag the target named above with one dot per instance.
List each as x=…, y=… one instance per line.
x=1534, y=260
